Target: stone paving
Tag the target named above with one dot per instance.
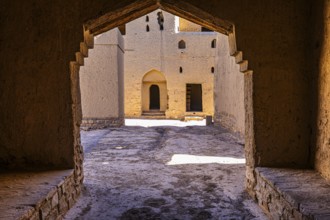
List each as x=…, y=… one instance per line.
x=164, y=172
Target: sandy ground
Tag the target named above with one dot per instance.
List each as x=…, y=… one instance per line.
x=166, y=172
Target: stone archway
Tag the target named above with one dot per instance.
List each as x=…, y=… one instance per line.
x=129, y=12
x=152, y=82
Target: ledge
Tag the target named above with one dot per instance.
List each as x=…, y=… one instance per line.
x=36, y=195
x=292, y=193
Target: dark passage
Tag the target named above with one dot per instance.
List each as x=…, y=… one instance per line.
x=194, y=101
x=154, y=98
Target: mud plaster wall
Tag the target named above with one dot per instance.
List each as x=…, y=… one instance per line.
x=228, y=89
x=36, y=108
x=321, y=46
x=158, y=50
x=100, y=77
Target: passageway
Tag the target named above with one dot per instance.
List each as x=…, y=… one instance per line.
x=164, y=172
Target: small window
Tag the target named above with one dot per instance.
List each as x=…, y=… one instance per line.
x=214, y=43
x=181, y=70
x=147, y=28
x=212, y=69
x=147, y=18
x=182, y=44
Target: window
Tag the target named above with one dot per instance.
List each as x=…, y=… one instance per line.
x=182, y=44
x=212, y=69
x=147, y=18
x=147, y=28
x=181, y=70
x=214, y=43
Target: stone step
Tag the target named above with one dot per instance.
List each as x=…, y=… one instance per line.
x=153, y=114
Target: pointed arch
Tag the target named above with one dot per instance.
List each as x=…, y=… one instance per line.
x=153, y=76
x=154, y=91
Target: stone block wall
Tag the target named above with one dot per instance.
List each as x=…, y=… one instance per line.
x=99, y=123
x=292, y=193
x=58, y=201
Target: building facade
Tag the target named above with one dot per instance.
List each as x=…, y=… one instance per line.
x=169, y=67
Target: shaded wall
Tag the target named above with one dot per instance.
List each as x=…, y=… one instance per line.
x=228, y=90
x=321, y=48
x=101, y=82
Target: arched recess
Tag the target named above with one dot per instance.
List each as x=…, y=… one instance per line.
x=152, y=79
x=182, y=44
x=127, y=13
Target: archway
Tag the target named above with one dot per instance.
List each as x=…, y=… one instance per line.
x=128, y=13
x=154, y=97
x=154, y=92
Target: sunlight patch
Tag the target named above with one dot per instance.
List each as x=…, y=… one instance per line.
x=155, y=123
x=179, y=159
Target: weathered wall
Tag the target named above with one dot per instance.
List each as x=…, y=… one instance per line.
x=35, y=109
x=228, y=89
x=273, y=38
x=101, y=80
x=159, y=50
x=321, y=49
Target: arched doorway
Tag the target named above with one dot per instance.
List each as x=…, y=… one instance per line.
x=154, y=93
x=154, y=102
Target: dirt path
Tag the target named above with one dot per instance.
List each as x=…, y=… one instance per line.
x=164, y=173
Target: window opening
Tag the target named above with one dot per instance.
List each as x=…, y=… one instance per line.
x=214, y=43
x=182, y=44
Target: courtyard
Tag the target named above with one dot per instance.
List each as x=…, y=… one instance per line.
x=164, y=169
